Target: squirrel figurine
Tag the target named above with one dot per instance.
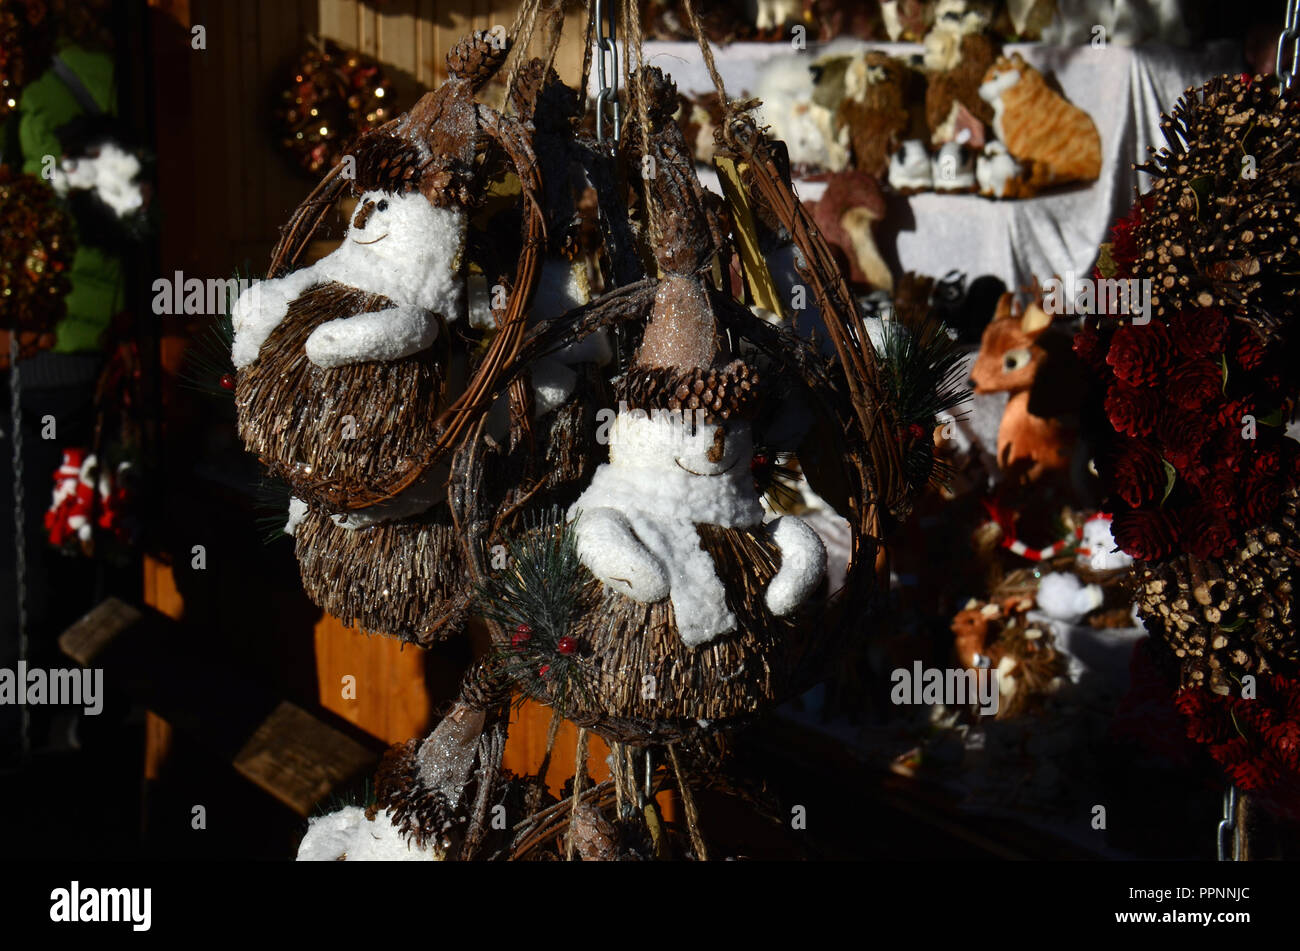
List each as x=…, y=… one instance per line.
x=1036, y=432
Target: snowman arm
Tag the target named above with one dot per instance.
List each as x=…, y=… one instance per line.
x=610, y=549
x=373, y=336
x=803, y=564
x=259, y=310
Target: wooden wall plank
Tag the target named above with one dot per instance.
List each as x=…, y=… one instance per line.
x=160, y=590
x=338, y=21
x=392, y=699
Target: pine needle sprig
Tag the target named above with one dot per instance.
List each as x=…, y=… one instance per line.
x=535, y=597
x=923, y=371
x=207, y=367
x=271, y=503
x=207, y=359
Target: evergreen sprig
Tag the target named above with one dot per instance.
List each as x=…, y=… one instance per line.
x=536, y=597
x=207, y=360
x=923, y=371
x=271, y=504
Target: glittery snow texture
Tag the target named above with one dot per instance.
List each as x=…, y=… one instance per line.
x=347, y=835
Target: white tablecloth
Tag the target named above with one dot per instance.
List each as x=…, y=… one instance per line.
x=1124, y=89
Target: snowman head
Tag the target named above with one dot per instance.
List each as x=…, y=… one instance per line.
x=680, y=442
x=1103, y=553
x=400, y=245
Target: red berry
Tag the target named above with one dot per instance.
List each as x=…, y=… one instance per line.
x=227, y=381
x=543, y=670
x=916, y=431
x=566, y=645
x=523, y=634
x=758, y=461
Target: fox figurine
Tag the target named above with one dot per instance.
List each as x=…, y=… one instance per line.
x=1035, y=432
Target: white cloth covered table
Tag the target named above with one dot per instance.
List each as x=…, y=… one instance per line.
x=1124, y=89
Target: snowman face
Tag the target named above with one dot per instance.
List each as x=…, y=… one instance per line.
x=386, y=216
x=1099, y=541
x=671, y=441
x=402, y=246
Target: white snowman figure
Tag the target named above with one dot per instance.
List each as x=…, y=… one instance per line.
x=1097, y=546
x=635, y=523
x=398, y=244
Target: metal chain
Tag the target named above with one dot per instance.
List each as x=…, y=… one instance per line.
x=1229, y=841
x=1287, y=73
x=607, y=67
x=20, y=526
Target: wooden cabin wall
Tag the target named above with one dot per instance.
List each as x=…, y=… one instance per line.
x=225, y=189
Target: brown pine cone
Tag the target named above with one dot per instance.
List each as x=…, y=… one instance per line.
x=387, y=162
x=485, y=686
x=477, y=57
x=722, y=392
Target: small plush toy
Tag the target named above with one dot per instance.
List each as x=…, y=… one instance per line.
x=910, y=169
x=73, y=500
x=1097, y=548
x=1013, y=351
x=971, y=628
x=86, y=498
x=952, y=169
x=907, y=20
x=1063, y=597
x=1041, y=129
x=795, y=110
x=1001, y=176
x=1125, y=22
x=880, y=108
x=770, y=17
x=958, y=53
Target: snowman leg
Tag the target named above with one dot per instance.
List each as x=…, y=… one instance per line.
x=375, y=336
x=613, y=553
x=803, y=564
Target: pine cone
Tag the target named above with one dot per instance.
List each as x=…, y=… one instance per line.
x=417, y=812
x=486, y=685
x=594, y=836
x=719, y=392
x=388, y=163
x=477, y=57
x=529, y=80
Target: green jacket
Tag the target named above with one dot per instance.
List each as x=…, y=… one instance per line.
x=97, y=276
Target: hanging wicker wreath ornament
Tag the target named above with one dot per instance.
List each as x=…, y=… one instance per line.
x=343, y=388
x=664, y=605
x=647, y=597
